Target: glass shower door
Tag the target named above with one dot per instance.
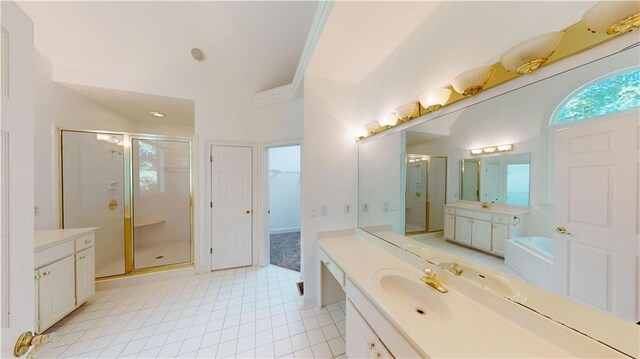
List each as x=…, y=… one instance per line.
x=93, y=193
x=161, y=189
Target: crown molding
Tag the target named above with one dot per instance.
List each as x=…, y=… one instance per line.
x=290, y=91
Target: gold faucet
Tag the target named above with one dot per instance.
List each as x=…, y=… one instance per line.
x=430, y=278
x=455, y=269
x=486, y=205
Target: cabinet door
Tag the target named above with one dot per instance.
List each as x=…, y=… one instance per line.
x=36, y=280
x=481, y=234
x=449, y=226
x=463, y=230
x=361, y=339
x=499, y=236
x=56, y=291
x=85, y=275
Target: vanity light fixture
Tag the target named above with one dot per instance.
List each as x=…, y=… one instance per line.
x=406, y=111
x=505, y=148
x=433, y=100
x=371, y=127
x=491, y=149
x=157, y=114
x=388, y=120
x=613, y=17
x=471, y=82
x=530, y=54
x=103, y=137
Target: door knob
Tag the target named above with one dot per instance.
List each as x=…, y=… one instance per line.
x=248, y=211
x=562, y=230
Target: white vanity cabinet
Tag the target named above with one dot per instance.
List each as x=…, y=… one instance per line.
x=64, y=273
x=484, y=229
x=56, y=291
x=449, y=223
x=362, y=341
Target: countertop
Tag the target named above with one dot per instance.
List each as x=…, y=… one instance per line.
x=495, y=208
x=472, y=329
x=50, y=237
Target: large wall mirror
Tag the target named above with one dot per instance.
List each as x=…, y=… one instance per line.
x=536, y=189
x=500, y=179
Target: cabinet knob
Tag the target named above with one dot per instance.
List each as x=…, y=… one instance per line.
x=87, y=241
x=46, y=273
x=82, y=257
x=371, y=346
x=376, y=355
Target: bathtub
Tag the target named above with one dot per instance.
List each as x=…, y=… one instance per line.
x=531, y=258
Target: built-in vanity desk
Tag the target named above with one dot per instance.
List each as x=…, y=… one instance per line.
x=486, y=229
x=64, y=276
x=392, y=313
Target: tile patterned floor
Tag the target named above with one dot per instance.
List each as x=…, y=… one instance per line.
x=239, y=313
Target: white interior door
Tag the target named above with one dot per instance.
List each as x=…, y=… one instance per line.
x=491, y=181
x=596, y=186
x=16, y=197
x=231, y=206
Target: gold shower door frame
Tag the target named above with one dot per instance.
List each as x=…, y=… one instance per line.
x=128, y=138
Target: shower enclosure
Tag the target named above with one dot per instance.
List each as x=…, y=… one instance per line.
x=136, y=189
x=426, y=191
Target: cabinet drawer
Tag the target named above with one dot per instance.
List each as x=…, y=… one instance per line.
x=449, y=210
x=84, y=242
x=52, y=254
x=474, y=214
x=332, y=267
x=501, y=218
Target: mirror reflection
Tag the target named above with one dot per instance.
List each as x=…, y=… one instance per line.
x=426, y=183
x=536, y=221
x=501, y=179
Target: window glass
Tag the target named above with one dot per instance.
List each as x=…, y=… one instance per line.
x=614, y=93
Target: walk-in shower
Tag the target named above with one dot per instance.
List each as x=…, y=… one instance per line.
x=137, y=190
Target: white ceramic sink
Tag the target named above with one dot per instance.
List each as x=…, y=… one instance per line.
x=409, y=294
x=485, y=280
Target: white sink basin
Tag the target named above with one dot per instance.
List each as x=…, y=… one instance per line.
x=485, y=280
x=409, y=294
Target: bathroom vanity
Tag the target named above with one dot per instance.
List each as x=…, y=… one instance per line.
x=64, y=273
x=392, y=313
x=486, y=229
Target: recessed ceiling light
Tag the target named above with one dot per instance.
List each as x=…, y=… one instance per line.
x=157, y=114
x=197, y=54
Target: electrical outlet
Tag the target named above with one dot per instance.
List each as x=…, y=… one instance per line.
x=314, y=211
x=393, y=207
x=347, y=208
x=365, y=207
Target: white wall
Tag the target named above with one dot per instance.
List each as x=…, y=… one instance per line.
x=329, y=159
x=284, y=189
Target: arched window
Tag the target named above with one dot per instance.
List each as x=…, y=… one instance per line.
x=613, y=93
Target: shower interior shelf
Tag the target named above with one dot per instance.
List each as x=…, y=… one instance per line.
x=148, y=222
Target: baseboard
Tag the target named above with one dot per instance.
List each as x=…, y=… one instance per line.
x=284, y=230
x=105, y=284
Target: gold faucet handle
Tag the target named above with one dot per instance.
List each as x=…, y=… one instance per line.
x=429, y=272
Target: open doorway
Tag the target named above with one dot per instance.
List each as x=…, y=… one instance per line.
x=283, y=183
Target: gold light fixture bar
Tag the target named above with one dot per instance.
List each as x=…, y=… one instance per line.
x=577, y=38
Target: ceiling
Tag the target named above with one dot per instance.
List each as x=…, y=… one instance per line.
x=249, y=46
x=178, y=112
